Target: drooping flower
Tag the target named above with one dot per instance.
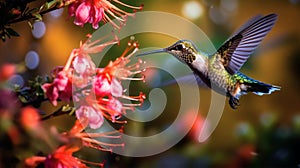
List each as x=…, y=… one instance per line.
x=93, y=140
x=95, y=117
x=80, y=63
x=94, y=11
x=104, y=86
x=63, y=158
x=74, y=140
x=61, y=87
x=97, y=92
x=108, y=89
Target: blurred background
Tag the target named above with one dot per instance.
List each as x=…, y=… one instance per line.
x=262, y=132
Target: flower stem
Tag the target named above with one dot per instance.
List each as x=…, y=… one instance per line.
x=28, y=17
x=56, y=113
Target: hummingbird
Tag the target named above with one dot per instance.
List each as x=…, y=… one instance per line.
x=220, y=70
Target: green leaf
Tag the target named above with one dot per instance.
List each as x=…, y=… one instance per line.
x=22, y=99
x=66, y=108
x=44, y=6
x=12, y=32
x=37, y=16
x=72, y=111
x=7, y=34
x=50, y=4
x=30, y=24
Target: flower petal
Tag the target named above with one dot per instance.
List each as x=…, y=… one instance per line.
x=51, y=92
x=82, y=14
x=95, y=117
x=101, y=86
x=116, y=88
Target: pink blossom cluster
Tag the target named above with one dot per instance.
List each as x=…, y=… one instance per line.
x=94, y=93
x=94, y=11
x=99, y=91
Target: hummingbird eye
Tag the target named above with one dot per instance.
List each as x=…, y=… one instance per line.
x=178, y=47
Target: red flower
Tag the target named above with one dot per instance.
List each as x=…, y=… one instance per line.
x=93, y=140
x=75, y=139
x=93, y=11
x=62, y=158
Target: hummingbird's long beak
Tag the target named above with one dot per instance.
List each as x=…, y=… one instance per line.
x=152, y=52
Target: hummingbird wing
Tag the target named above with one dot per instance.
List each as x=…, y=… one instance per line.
x=247, y=24
x=235, y=51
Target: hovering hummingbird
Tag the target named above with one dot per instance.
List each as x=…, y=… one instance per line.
x=220, y=71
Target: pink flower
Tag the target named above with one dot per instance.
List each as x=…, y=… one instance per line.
x=61, y=87
x=116, y=88
x=95, y=117
x=93, y=11
x=99, y=95
x=83, y=64
x=97, y=91
x=51, y=92
x=116, y=109
x=104, y=87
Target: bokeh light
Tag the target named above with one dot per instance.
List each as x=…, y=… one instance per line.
x=56, y=13
x=229, y=5
x=32, y=60
x=294, y=1
x=16, y=80
x=218, y=15
x=192, y=10
x=39, y=29
x=268, y=119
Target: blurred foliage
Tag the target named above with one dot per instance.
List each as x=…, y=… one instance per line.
x=13, y=11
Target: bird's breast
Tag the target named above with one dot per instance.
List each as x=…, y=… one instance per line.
x=200, y=64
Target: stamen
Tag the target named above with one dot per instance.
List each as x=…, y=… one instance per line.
x=125, y=107
x=133, y=105
x=133, y=79
x=70, y=59
x=129, y=6
x=91, y=163
x=100, y=135
x=93, y=141
x=107, y=19
x=114, y=16
x=97, y=147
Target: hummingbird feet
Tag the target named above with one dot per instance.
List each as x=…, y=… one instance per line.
x=233, y=102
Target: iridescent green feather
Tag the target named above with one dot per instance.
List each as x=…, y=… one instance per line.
x=241, y=78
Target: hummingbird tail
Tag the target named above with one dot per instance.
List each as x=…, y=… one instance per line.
x=260, y=88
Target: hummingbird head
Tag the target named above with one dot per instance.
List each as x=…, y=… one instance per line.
x=184, y=50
